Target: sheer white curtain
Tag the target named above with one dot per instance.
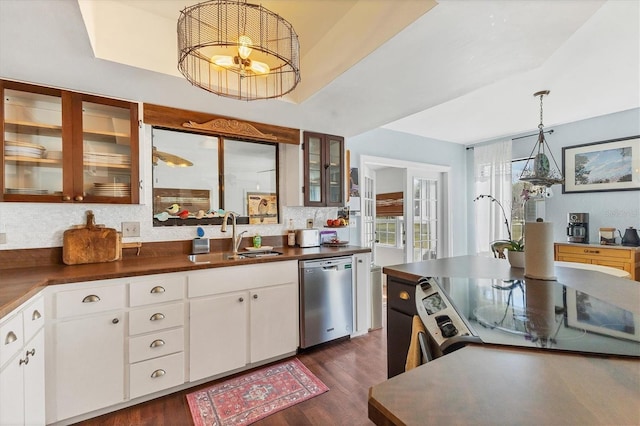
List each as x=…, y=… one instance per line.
x=492, y=175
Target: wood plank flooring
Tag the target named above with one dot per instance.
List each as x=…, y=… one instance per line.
x=347, y=367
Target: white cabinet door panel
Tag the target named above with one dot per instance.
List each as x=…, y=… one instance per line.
x=218, y=334
x=274, y=321
x=89, y=364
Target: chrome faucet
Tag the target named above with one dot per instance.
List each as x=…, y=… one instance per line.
x=235, y=239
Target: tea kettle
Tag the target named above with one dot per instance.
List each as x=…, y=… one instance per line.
x=630, y=237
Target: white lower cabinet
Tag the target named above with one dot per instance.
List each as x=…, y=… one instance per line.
x=229, y=329
x=218, y=334
x=274, y=321
x=110, y=342
x=88, y=366
x=86, y=335
x=22, y=375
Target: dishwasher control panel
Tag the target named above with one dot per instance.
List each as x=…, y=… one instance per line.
x=440, y=318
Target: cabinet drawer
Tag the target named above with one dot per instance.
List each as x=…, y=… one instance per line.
x=11, y=338
x=158, y=289
x=401, y=296
x=90, y=300
x=33, y=318
x=595, y=252
x=243, y=277
x=156, y=318
x=156, y=374
x=157, y=344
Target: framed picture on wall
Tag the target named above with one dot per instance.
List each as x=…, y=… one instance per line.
x=262, y=207
x=612, y=165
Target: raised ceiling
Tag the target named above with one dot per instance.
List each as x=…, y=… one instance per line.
x=462, y=71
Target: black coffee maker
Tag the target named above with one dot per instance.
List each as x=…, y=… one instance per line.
x=578, y=228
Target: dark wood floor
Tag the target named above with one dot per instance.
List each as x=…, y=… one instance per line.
x=347, y=367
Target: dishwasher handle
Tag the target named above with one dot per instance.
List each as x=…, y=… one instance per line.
x=330, y=268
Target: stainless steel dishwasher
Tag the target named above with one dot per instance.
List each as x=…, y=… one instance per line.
x=326, y=300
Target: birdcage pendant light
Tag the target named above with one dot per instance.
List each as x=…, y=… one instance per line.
x=238, y=50
x=538, y=170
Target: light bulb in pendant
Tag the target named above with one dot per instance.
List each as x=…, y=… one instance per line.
x=244, y=48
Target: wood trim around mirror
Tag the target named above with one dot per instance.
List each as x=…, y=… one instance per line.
x=174, y=118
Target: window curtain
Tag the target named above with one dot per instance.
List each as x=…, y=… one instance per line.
x=492, y=176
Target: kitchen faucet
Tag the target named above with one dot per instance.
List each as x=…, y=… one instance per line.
x=235, y=239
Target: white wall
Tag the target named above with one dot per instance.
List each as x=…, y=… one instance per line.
x=402, y=146
x=616, y=209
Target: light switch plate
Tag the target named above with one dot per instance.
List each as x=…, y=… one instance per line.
x=130, y=229
x=3, y=238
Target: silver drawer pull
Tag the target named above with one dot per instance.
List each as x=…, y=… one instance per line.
x=158, y=373
x=32, y=352
x=24, y=361
x=158, y=289
x=157, y=343
x=11, y=337
x=36, y=315
x=91, y=298
x=156, y=317
x=241, y=299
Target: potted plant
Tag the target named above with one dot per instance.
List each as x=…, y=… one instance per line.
x=515, y=248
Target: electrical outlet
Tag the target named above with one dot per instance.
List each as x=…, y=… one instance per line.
x=3, y=238
x=309, y=223
x=130, y=229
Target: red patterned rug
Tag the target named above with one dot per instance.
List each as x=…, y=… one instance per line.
x=255, y=395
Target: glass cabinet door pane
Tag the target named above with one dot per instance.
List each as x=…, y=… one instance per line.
x=106, y=150
x=334, y=183
x=32, y=143
x=315, y=169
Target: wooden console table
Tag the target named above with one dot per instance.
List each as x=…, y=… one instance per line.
x=625, y=258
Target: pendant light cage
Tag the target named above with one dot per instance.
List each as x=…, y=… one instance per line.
x=538, y=170
x=238, y=50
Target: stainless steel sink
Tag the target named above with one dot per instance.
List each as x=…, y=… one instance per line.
x=260, y=254
x=210, y=257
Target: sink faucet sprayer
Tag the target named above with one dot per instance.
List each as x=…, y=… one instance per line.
x=235, y=239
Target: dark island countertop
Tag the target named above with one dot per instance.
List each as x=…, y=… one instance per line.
x=19, y=284
x=479, y=385
x=489, y=385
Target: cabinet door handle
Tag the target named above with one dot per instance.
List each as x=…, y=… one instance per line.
x=255, y=296
x=157, y=289
x=156, y=317
x=66, y=198
x=157, y=343
x=91, y=298
x=24, y=361
x=241, y=299
x=158, y=373
x=11, y=337
x=36, y=315
x=78, y=198
x=115, y=320
x=32, y=352
x=404, y=295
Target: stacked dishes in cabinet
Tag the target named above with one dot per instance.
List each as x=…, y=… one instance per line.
x=156, y=334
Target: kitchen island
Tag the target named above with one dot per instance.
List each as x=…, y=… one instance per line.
x=487, y=384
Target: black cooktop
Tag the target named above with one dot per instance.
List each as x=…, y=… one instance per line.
x=529, y=313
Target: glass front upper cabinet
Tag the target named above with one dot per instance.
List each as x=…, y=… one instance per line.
x=324, y=170
x=61, y=146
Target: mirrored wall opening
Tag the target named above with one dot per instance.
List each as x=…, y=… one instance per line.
x=196, y=178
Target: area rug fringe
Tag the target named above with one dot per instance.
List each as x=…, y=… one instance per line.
x=254, y=395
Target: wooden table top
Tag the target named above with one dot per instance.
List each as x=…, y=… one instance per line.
x=482, y=385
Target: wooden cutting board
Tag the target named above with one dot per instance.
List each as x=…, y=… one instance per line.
x=90, y=244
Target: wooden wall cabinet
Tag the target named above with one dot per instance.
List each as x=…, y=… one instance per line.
x=62, y=146
x=625, y=258
x=324, y=183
